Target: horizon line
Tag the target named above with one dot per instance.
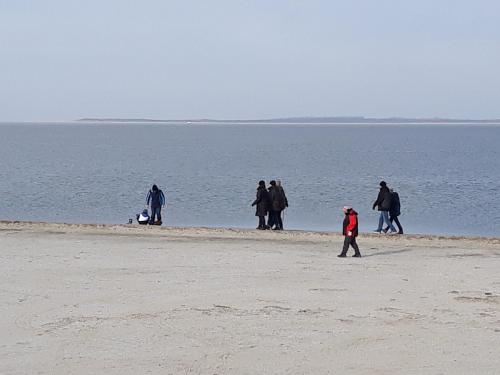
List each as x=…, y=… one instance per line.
x=293, y=119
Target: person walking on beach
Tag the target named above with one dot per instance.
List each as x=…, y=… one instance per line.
x=157, y=200
x=262, y=203
x=278, y=203
x=271, y=218
x=350, y=232
x=395, y=211
x=384, y=204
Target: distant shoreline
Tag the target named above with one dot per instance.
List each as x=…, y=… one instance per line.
x=297, y=121
x=303, y=121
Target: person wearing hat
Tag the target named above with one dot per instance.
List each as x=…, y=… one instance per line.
x=143, y=217
x=350, y=232
x=384, y=205
x=157, y=200
x=262, y=203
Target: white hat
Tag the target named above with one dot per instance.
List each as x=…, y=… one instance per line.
x=346, y=208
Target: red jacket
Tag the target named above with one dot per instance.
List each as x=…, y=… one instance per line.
x=350, y=224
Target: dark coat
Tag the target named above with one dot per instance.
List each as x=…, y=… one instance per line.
x=395, y=209
x=157, y=198
x=383, y=200
x=277, y=198
x=350, y=224
x=261, y=201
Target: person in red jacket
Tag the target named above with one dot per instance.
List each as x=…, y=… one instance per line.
x=350, y=231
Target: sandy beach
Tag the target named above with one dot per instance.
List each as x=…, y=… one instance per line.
x=87, y=299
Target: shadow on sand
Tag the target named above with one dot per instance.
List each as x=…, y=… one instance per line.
x=388, y=252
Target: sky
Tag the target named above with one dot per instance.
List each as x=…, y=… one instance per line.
x=231, y=59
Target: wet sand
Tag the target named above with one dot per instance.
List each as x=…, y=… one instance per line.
x=83, y=299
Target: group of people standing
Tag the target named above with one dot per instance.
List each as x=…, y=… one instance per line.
x=270, y=202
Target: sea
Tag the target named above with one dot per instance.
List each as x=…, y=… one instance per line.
x=447, y=176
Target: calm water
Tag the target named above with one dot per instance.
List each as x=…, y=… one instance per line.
x=448, y=177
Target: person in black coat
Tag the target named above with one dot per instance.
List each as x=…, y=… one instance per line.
x=278, y=202
x=394, y=211
x=384, y=204
x=157, y=200
x=271, y=218
x=262, y=203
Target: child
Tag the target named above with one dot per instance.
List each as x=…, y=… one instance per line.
x=143, y=218
x=350, y=231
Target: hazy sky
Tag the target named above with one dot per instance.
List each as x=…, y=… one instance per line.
x=64, y=59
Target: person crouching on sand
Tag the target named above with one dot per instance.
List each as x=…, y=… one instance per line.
x=262, y=203
x=350, y=231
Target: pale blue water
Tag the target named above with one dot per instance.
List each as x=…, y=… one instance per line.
x=448, y=177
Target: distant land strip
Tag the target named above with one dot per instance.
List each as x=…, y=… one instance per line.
x=306, y=120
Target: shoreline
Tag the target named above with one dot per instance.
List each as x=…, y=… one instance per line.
x=239, y=124
x=239, y=232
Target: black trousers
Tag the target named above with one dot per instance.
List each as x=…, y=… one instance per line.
x=271, y=220
x=350, y=241
x=396, y=220
x=155, y=213
x=277, y=219
x=262, y=221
